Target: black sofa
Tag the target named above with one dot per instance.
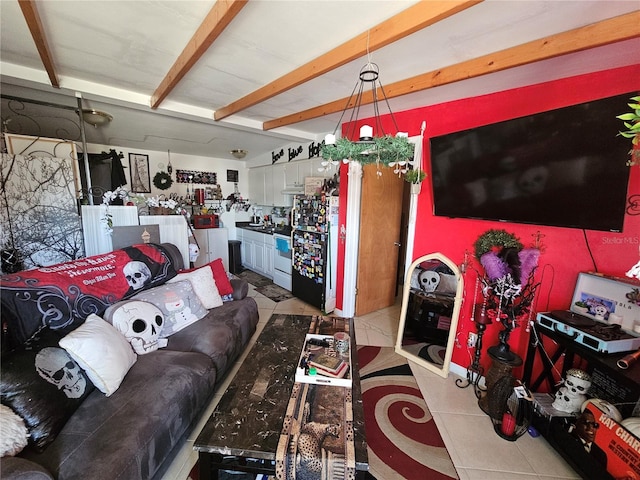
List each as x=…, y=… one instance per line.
x=136, y=431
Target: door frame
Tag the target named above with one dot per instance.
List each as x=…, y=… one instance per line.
x=352, y=236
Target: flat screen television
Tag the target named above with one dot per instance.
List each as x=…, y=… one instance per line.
x=563, y=168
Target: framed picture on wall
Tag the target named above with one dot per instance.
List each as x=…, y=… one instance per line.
x=139, y=169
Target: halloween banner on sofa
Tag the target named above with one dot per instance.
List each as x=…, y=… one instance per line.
x=56, y=297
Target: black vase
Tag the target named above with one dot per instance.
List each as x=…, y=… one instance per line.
x=10, y=260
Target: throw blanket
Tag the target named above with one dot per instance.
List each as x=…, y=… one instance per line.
x=62, y=296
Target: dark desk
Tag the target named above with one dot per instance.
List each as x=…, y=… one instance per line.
x=609, y=382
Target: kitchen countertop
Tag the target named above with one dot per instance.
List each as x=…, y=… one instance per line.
x=286, y=230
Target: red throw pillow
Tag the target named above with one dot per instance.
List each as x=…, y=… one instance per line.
x=220, y=276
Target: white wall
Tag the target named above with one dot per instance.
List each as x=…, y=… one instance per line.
x=158, y=162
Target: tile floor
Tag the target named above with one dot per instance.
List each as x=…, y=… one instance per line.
x=477, y=452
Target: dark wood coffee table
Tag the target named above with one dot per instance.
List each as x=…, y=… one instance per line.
x=243, y=432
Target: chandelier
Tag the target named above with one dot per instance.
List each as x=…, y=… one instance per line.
x=392, y=151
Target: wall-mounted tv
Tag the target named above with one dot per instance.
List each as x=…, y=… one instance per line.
x=563, y=167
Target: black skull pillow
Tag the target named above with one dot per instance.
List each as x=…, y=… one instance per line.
x=43, y=385
x=140, y=322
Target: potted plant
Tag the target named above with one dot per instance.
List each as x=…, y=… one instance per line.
x=631, y=121
x=415, y=177
x=581, y=307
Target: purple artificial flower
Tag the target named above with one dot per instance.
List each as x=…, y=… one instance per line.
x=494, y=265
x=528, y=261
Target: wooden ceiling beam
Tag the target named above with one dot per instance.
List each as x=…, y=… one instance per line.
x=218, y=18
x=414, y=18
x=617, y=29
x=30, y=13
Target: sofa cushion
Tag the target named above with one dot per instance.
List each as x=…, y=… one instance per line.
x=102, y=351
x=179, y=304
x=43, y=385
x=221, y=335
x=203, y=284
x=140, y=322
x=221, y=277
x=131, y=433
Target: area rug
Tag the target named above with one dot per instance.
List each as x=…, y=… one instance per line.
x=404, y=441
x=274, y=292
x=254, y=278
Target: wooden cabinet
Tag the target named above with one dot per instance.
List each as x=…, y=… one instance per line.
x=257, y=251
x=214, y=243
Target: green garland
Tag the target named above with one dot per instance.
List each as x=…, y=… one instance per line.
x=162, y=180
x=495, y=238
x=384, y=150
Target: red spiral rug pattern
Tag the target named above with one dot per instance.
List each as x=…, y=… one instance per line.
x=404, y=442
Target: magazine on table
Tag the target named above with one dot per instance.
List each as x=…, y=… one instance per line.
x=321, y=364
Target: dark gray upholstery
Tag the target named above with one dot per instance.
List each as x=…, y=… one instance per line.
x=133, y=433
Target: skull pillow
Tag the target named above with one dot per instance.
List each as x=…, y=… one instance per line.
x=140, y=322
x=428, y=280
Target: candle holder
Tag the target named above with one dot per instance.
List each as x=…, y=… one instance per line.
x=475, y=371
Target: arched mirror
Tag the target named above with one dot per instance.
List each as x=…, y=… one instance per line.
x=430, y=308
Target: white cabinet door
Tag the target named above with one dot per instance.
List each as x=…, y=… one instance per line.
x=291, y=173
x=259, y=258
x=278, y=183
x=268, y=185
x=213, y=243
x=256, y=185
x=218, y=245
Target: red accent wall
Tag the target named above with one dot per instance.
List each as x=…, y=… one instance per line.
x=565, y=250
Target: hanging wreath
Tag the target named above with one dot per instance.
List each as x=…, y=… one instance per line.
x=495, y=239
x=162, y=180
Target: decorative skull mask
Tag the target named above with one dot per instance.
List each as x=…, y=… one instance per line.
x=140, y=322
x=58, y=368
x=137, y=274
x=428, y=281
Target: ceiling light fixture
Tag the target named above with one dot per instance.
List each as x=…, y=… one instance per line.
x=238, y=153
x=96, y=118
x=393, y=151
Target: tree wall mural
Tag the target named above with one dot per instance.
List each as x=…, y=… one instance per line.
x=38, y=210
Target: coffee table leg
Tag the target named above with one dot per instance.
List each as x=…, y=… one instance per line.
x=206, y=468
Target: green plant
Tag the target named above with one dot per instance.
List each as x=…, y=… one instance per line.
x=631, y=121
x=582, y=304
x=414, y=176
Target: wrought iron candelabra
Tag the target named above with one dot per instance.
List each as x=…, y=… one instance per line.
x=475, y=371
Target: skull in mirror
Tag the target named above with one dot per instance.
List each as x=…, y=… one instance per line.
x=428, y=281
x=141, y=323
x=137, y=274
x=58, y=368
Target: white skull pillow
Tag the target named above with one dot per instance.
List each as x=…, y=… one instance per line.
x=140, y=322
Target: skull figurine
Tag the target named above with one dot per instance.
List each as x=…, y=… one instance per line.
x=140, y=322
x=573, y=393
x=428, y=281
x=58, y=368
x=137, y=274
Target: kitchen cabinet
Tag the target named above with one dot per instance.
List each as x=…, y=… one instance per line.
x=214, y=243
x=267, y=183
x=257, y=251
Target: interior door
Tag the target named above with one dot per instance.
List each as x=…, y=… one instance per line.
x=380, y=218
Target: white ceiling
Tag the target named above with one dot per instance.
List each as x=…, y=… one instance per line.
x=115, y=54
